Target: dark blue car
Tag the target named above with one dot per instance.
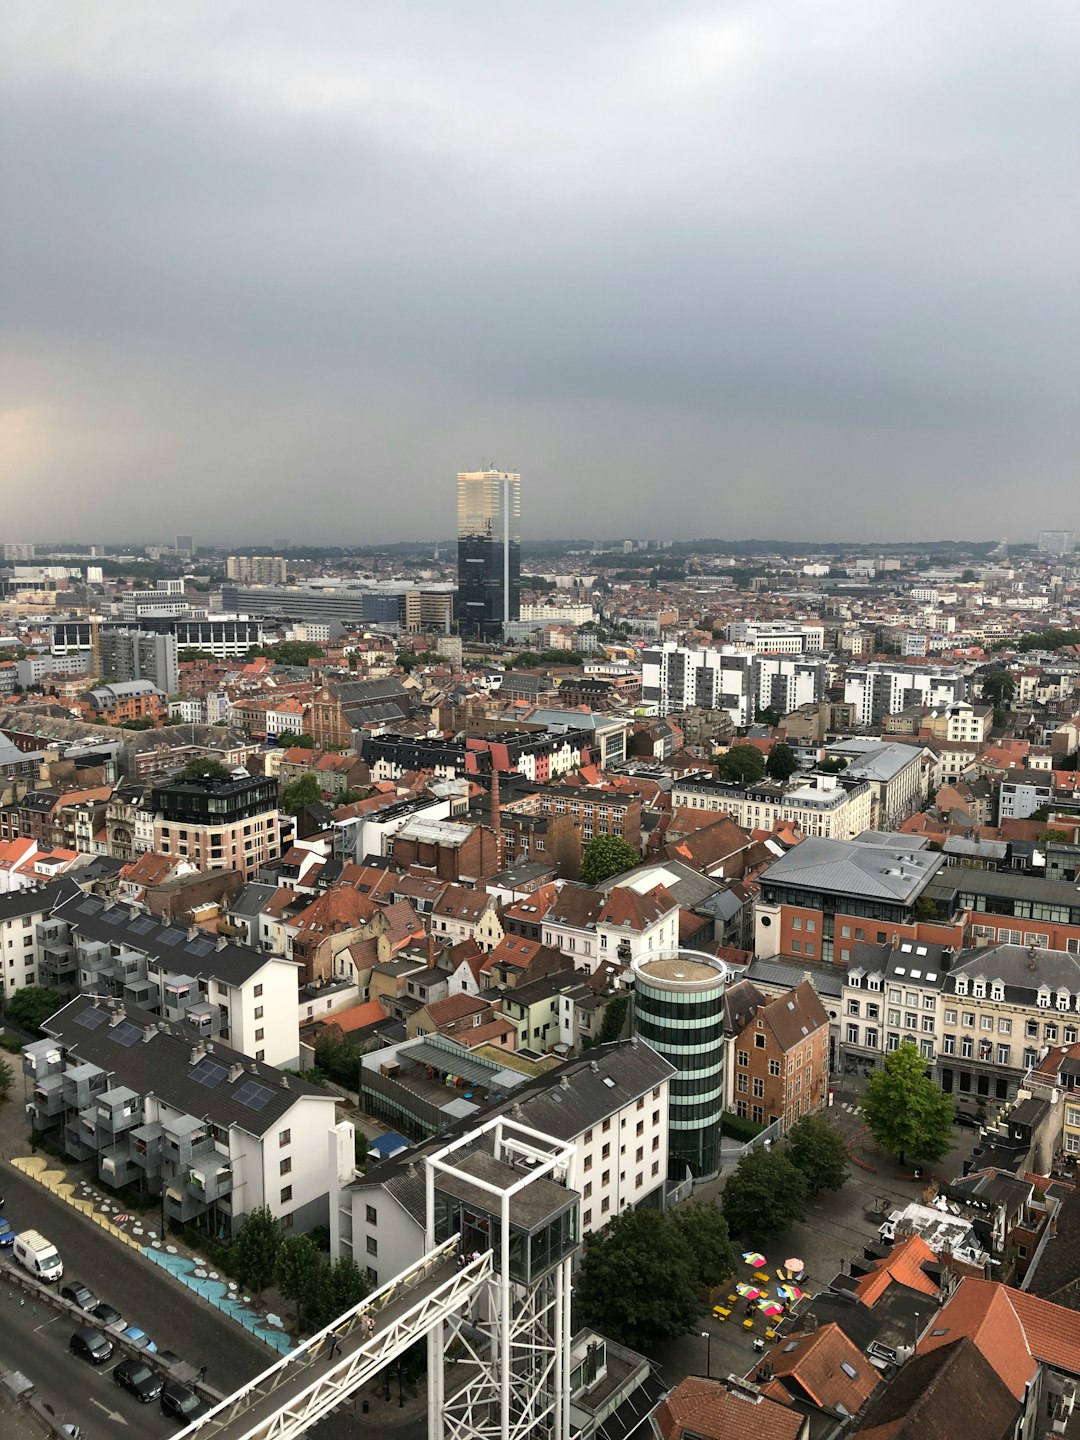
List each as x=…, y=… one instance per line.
x=7, y=1234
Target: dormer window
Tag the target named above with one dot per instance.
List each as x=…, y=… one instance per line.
x=978, y=989
x=997, y=991
x=1043, y=999
x=1063, y=1000
x=961, y=985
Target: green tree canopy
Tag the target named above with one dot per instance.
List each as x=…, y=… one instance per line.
x=340, y=1286
x=611, y=1027
x=741, y=765
x=905, y=1112
x=638, y=1279
x=7, y=1079
x=204, y=765
x=781, y=764
x=409, y=659
x=290, y=740
x=300, y=792
x=832, y=765
x=768, y=715
x=706, y=1232
x=31, y=1006
x=253, y=1255
x=998, y=687
x=764, y=1194
x=819, y=1152
x=605, y=856
x=289, y=652
x=298, y=1271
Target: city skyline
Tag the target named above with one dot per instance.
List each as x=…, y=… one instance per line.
x=712, y=268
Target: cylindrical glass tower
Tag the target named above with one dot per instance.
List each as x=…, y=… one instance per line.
x=679, y=1011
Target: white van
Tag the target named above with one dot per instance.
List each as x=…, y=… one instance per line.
x=38, y=1255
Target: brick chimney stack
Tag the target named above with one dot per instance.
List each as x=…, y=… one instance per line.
x=496, y=822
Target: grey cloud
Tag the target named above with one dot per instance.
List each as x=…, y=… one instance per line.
x=750, y=280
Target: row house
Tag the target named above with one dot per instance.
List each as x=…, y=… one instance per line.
x=23, y=917
x=220, y=991
x=822, y=805
x=778, y=1055
x=463, y=914
x=202, y=1125
x=980, y=1018
x=612, y=1106
x=590, y=810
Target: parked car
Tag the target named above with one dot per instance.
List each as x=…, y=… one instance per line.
x=966, y=1120
x=7, y=1233
x=109, y=1316
x=137, y=1336
x=181, y=1404
x=91, y=1345
x=79, y=1294
x=137, y=1377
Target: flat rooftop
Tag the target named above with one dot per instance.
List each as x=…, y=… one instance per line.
x=530, y=1209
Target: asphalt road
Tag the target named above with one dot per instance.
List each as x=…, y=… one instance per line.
x=177, y=1319
x=34, y=1339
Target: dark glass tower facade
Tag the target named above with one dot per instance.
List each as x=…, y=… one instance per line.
x=489, y=551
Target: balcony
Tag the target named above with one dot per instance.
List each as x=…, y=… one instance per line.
x=185, y=1140
x=83, y=1084
x=209, y=1182
x=80, y=1141
x=182, y=1206
x=42, y=1058
x=145, y=1147
x=143, y=994
x=48, y=1095
x=118, y=1110
x=117, y=1168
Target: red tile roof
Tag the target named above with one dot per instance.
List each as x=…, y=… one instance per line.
x=983, y=1310
x=902, y=1266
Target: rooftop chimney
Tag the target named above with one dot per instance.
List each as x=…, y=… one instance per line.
x=496, y=814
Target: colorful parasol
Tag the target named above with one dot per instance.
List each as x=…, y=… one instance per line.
x=754, y=1259
x=770, y=1307
x=794, y=1264
x=749, y=1292
x=789, y=1292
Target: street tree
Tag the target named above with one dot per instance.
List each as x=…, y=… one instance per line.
x=638, y=1279
x=764, y=1194
x=291, y=740
x=31, y=1006
x=340, y=1286
x=741, y=765
x=706, y=1232
x=204, y=766
x=998, y=688
x=781, y=764
x=905, y=1112
x=604, y=856
x=819, y=1152
x=7, y=1079
x=300, y=792
x=298, y=1272
x=254, y=1251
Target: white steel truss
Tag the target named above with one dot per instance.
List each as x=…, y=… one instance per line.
x=511, y=1339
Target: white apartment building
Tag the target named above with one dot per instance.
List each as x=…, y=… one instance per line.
x=223, y=992
x=775, y=637
x=678, y=678
x=214, y=1132
x=820, y=806
x=881, y=689
x=612, y=1106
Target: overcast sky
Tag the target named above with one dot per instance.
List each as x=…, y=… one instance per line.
x=803, y=268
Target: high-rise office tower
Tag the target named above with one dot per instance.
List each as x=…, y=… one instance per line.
x=489, y=551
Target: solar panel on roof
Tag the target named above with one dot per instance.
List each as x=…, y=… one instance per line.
x=126, y=1033
x=91, y=1017
x=208, y=1072
x=143, y=924
x=171, y=936
x=114, y=917
x=202, y=946
x=254, y=1095
x=88, y=907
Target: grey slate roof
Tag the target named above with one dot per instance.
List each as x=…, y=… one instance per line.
x=162, y=1064
x=769, y=972
x=848, y=867
x=169, y=944
x=41, y=899
x=1022, y=973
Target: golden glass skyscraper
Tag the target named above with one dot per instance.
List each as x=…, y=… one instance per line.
x=489, y=551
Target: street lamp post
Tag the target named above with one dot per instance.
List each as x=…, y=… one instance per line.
x=706, y=1335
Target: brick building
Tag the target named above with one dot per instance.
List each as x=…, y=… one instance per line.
x=778, y=1055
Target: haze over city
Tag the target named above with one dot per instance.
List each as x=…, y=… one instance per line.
x=734, y=269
